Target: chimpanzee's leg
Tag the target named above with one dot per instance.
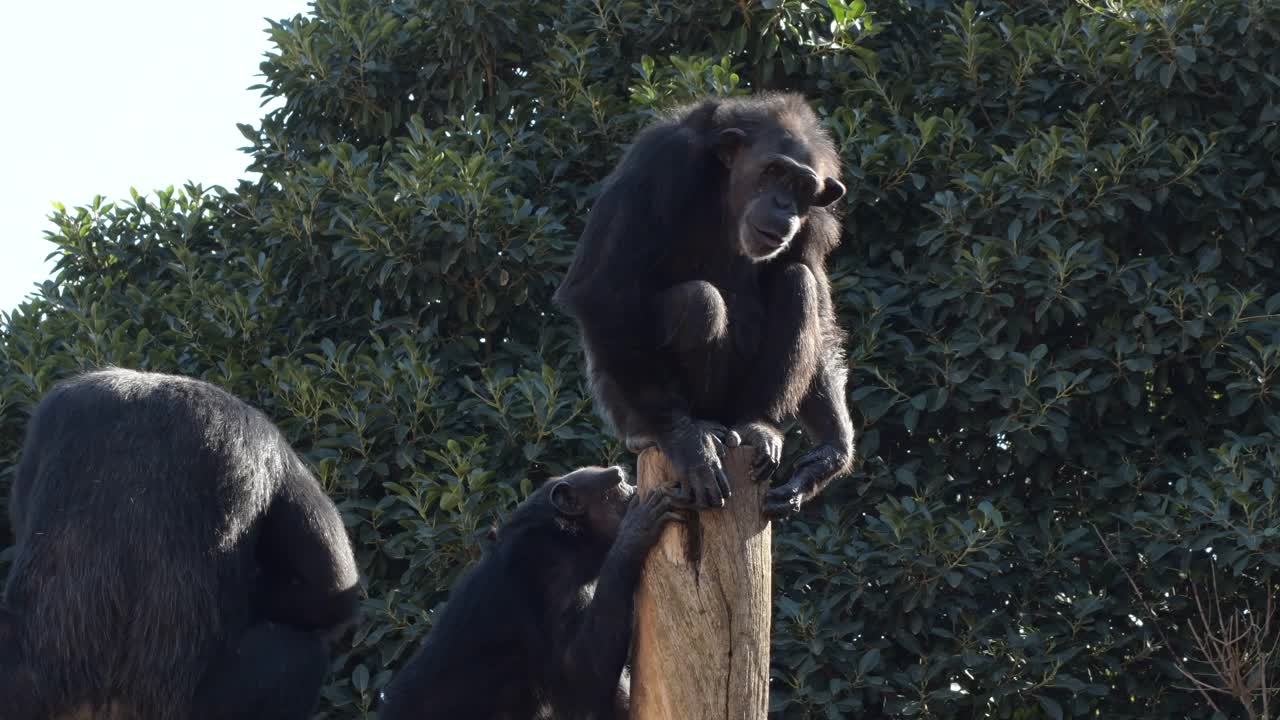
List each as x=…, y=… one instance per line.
x=695, y=323
x=694, y=317
x=785, y=363
x=789, y=350
x=688, y=322
x=274, y=672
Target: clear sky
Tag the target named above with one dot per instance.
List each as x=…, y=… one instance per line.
x=100, y=96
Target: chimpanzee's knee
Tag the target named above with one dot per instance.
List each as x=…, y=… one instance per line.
x=792, y=299
x=275, y=672
x=694, y=315
x=798, y=285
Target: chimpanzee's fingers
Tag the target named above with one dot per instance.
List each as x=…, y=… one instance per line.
x=775, y=510
x=722, y=483
x=718, y=445
x=682, y=495
x=732, y=439
x=659, y=502
x=675, y=493
x=781, y=502
x=763, y=467
x=710, y=495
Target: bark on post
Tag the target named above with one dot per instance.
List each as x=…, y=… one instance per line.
x=702, y=636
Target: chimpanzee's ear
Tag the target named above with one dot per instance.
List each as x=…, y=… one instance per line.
x=832, y=190
x=728, y=141
x=565, y=499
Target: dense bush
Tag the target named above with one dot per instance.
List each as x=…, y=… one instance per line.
x=1058, y=272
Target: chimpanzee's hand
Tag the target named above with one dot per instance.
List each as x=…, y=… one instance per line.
x=645, y=518
x=695, y=449
x=767, y=441
x=639, y=442
x=810, y=474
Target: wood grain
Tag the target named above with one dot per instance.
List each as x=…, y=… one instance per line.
x=701, y=647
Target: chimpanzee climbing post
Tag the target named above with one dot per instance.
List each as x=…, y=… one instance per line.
x=702, y=632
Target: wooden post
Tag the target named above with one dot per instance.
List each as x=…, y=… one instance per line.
x=702, y=637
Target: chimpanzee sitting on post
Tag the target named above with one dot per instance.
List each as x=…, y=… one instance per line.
x=700, y=289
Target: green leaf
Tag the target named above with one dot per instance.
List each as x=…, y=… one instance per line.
x=1139, y=364
x=838, y=10
x=1239, y=404
x=1050, y=707
x=992, y=514
x=870, y=660
x=449, y=500
x=1208, y=260
x=360, y=678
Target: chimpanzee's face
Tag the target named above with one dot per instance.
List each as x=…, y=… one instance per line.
x=598, y=497
x=772, y=188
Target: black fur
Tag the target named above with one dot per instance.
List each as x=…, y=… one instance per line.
x=175, y=558
x=541, y=626
x=701, y=292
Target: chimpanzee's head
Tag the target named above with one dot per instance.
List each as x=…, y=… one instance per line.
x=592, y=499
x=781, y=165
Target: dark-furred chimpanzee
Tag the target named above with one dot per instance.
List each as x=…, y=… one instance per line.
x=701, y=292
x=175, y=558
x=523, y=634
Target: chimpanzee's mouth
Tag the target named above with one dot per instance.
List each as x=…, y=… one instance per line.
x=770, y=240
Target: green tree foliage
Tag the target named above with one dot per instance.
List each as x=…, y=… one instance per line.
x=1058, y=274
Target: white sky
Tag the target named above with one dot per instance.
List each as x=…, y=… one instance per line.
x=100, y=96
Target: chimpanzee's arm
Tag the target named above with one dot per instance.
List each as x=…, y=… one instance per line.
x=309, y=574
x=824, y=414
x=596, y=648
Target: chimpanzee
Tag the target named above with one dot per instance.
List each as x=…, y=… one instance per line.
x=700, y=288
x=175, y=558
x=523, y=634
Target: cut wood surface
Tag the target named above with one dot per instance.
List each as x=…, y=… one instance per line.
x=702, y=635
